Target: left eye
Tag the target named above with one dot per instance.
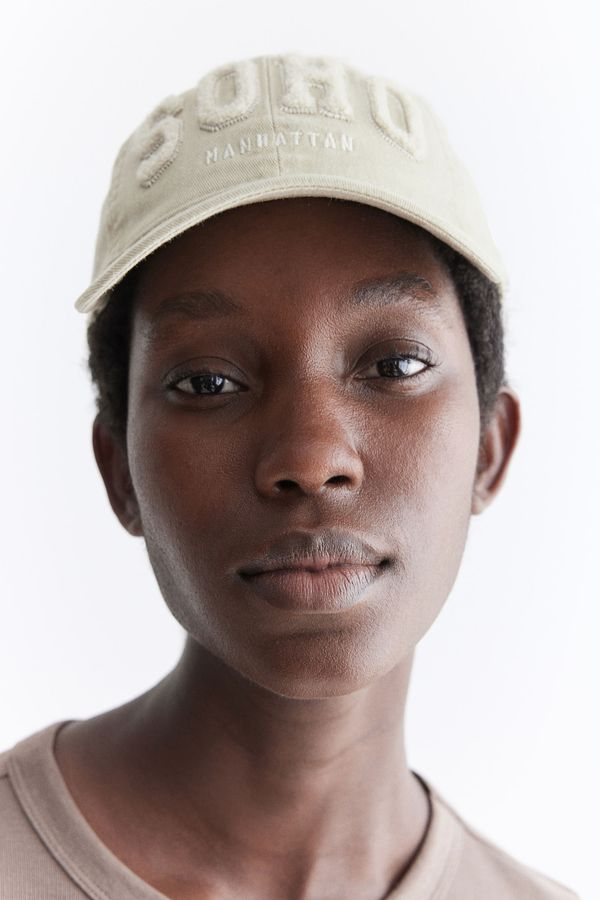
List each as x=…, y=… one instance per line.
x=399, y=367
x=204, y=383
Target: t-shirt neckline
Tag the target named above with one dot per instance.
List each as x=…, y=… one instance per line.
x=60, y=824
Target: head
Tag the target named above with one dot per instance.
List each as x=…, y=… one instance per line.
x=356, y=382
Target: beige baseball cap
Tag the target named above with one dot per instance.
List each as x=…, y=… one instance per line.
x=284, y=126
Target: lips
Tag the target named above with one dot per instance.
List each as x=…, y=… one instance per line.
x=314, y=549
x=324, y=571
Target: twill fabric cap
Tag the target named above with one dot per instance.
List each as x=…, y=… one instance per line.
x=279, y=126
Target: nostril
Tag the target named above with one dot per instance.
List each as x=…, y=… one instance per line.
x=285, y=485
x=288, y=485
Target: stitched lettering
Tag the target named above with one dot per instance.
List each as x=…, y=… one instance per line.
x=259, y=142
x=316, y=86
x=159, y=139
x=301, y=73
x=398, y=116
x=227, y=95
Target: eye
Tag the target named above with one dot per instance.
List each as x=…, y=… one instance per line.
x=401, y=366
x=203, y=383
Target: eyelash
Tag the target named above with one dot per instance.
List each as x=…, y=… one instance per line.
x=423, y=356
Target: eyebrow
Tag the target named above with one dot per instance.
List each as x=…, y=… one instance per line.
x=371, y=293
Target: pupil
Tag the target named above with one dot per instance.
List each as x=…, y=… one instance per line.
x=392, y=367
x=208, y=381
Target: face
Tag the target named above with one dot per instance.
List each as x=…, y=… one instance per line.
x=301, y=368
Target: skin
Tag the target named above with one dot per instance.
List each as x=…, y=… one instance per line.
x=274, y=762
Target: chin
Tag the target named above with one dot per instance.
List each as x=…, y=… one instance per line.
x=317, y=664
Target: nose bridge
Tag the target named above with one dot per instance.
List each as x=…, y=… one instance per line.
x=309, y=438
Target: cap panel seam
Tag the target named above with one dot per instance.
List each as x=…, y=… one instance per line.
x=271, y=113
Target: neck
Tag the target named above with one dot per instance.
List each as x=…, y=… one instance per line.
x=310, y=792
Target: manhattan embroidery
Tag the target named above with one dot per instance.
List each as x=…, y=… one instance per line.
x=259, y=141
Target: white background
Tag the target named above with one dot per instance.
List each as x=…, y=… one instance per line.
x=503, y=710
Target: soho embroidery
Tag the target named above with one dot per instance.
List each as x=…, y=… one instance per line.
x=261, y=141
x=231, y=94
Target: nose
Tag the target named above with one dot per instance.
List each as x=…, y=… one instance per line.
x=309, y=449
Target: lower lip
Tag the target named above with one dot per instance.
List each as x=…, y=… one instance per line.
x=328, y=590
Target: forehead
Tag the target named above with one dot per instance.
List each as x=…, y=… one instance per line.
x=313, y=249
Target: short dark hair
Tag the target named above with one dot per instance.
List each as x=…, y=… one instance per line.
x=109, y=339
x=481, y=303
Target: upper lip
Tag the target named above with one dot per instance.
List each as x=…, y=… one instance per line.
x=314, y=550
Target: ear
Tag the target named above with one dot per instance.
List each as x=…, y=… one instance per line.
x=111, y=457
x=496, y=447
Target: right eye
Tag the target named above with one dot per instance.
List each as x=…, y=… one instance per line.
x=202, y=384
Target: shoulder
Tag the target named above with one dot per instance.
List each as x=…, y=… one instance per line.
x=3, y=763
x=27, y=868
x=484, y=869
x=12, y=820
x=13, y=817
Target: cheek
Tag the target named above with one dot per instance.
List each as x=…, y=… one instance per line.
x=189, y=506
x=422, y=476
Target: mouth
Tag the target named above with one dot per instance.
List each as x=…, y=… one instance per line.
x=311, y=565
x=314, y=550
x=314, y=588
x=329, y=570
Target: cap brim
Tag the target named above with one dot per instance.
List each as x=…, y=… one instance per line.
x=96, y=295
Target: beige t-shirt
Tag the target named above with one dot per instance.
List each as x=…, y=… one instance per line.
x=48, y=851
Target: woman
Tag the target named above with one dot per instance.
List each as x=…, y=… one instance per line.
x=296, y=338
